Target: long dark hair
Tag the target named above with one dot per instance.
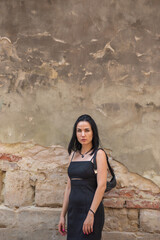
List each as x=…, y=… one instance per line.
x=75, y=144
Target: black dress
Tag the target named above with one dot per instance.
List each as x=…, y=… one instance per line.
x=83, y=186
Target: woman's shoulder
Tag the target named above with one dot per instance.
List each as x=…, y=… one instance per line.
x=101, y=158
x=101, y=153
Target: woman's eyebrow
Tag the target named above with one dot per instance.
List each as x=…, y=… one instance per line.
x=85, y=128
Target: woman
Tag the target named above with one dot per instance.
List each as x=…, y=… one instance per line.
x=84, y=190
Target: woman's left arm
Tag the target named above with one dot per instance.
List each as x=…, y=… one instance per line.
x=101, y=187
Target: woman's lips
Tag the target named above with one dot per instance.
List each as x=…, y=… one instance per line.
x=83, y=139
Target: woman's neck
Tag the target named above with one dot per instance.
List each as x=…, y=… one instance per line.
x=86, y=148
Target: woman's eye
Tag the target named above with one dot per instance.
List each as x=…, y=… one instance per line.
x=86, y=130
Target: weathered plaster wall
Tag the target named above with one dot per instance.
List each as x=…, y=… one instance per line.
x=60, y=59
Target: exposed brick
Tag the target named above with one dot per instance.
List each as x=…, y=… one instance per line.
x=9, y=157
x=155, y=204
x=114, y=203
x=123, y=193
x=129, y=193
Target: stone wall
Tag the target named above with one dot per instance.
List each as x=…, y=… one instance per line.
x=60, y=59
x=32, y=184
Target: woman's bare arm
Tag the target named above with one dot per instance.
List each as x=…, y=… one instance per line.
x=66, y=198
x=101, y=186
x=61, y=225
x=101, y=179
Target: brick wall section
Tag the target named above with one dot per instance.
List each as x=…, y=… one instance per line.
x=32, y=183
x=132, y=198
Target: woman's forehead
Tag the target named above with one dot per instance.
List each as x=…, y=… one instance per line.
x=83, y=124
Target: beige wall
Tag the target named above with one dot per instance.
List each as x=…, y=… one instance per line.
x=60, y=59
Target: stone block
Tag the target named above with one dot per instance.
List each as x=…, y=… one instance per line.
x=8, y=166
x=18, y=191
x=50, y=193
x=29, y=223
x=40, y=234
x=38, y=223
x=114, y=203
x=21, y=234
x=34, y=218
x=146, y=204
x=121, y=220
x=130, y=236
x=118, y=236
x=9, y=234
x=147, y=236
x=8, y=218
x=150, y=220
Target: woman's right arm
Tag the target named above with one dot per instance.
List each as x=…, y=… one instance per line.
x=61, y=225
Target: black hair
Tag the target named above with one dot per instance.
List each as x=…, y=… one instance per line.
x=75, y=144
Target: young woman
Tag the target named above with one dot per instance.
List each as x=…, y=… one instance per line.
x=84, y=191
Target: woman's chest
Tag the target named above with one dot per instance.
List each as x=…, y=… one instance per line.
x=81, y=169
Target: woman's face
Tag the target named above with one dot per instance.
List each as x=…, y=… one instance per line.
x=84, y=132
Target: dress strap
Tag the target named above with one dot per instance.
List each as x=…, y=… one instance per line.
x=72, y=156
x=92, y=157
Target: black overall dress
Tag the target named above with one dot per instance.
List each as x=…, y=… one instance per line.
x=80, y=199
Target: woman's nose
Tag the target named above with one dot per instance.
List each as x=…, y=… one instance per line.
x=83, y=133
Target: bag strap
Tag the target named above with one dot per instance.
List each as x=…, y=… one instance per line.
x=95, y=165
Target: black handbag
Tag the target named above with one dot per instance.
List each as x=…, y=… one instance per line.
x=112, y=183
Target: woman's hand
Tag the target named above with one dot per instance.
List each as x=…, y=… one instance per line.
x=88, y=223
x=61, y=226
